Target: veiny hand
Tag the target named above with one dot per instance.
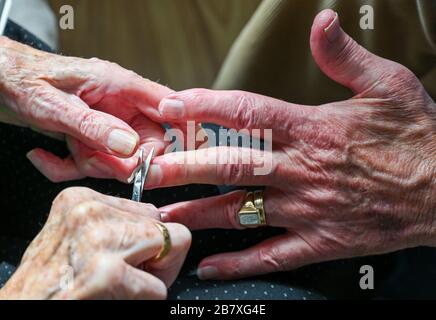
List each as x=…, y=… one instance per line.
x=348, y=178
x=109, y=244
x=103, y=109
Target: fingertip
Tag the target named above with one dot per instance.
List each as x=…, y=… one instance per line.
x=52, y=167
x=164, y=216
x=324, y=19
x=122, y=142
x=30, y=154
x=220, y=267
x=172, y=109
x=34, y=158
x=207, y=273
x=326, y=27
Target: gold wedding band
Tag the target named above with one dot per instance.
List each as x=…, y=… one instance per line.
x=167, y=241
x=252, y=213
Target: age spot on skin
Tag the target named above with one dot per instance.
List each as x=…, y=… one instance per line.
x=84, y=210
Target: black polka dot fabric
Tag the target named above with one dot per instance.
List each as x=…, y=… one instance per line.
x=6, y=271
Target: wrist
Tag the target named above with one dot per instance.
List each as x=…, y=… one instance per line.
x=37, y=277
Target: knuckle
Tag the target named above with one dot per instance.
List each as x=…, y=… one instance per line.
x=87, y=124
x=402, y=80
x=105, y=68
x=199, y=95
x=72, y=193
x=230, y=212
x=100, y=63
x=349, y=49
x=233, y=174
x=244, y=117
x=183, y=235
x=98, y=236
x=111, y=272
x=68, y=197
x=95, y=60
x=271, y=258
x=99, y=67
x=149, y=207
x=199, y=92
x=81, y=212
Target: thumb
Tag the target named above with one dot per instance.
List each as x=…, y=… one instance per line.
x=344, y=60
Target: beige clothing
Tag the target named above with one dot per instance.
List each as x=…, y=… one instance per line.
x=272, y=55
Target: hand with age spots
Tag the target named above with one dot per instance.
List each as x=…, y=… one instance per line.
x=109, y=244
x=104, y=111
x=348, y=178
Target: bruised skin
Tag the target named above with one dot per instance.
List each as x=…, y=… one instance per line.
x=103, y=240
x=348, y=178
x=104, y=110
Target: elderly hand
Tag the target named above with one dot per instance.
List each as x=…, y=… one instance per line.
x=106, y=245
x=103, y=109
x=348, y=178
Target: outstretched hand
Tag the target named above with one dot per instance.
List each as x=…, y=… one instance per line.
x=348, y=178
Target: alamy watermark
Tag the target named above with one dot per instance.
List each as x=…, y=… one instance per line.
x=66, y=21
x=251, y=148
x=367, y=280
x=367, y=19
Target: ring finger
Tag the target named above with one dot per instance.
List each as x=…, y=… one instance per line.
x=222, y=211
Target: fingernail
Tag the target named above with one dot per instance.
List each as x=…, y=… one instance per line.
x=122, y=142
x=154, y=176
x=101, y=166
x=172, y=109
x=333, y=29
x=29, y=155
x=34, y=160
x=164, y=217
x=206, y=273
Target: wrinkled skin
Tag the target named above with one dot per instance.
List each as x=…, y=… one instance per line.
x=349, y=178
x=84, y=100
x=110, y=244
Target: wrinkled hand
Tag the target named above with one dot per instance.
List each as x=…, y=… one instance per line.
x=103, y=109
x=108, y=243
x=348, y=178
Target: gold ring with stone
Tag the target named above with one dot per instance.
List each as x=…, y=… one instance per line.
x=252, y=213
x=166, y=243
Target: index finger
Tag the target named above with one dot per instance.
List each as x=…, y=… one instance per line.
x=237, y=110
